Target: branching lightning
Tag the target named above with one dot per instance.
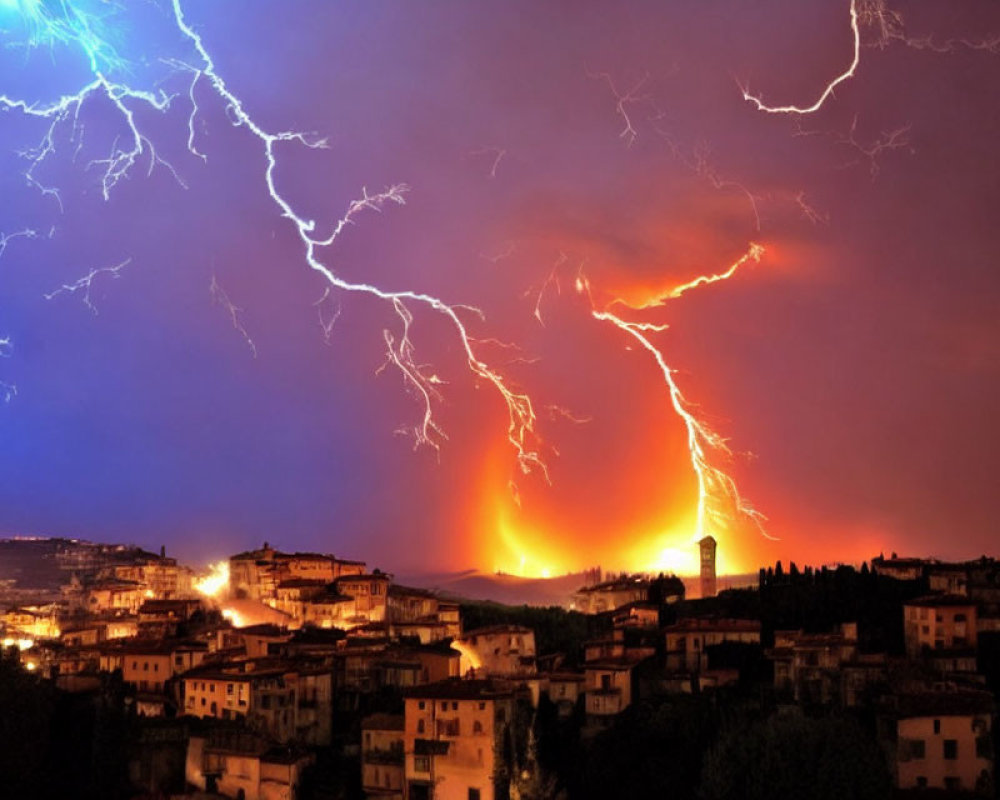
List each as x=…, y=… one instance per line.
x=622, y=102
x=74, y=27
x=327, y=320
x=719, y=497
x=828, y=90
x=219, y=296
x=889, y=28
x=86, y=283
x=7, y=238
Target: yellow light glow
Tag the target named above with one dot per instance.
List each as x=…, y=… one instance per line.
x=470, y=658
x=216, y=582
x=234, y=617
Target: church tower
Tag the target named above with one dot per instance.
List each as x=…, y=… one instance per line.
x=707, y=546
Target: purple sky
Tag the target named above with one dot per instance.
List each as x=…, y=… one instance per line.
x=858, y=361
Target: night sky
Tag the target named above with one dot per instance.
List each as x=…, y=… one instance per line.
x=855, y=370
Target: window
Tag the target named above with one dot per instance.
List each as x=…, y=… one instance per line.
x=156, y=667
x=420, y=726
x=951, y=749
x=135, y=665
x=211, y=687
x=605, y=681
x=482, y=706
x=454, y=706
x=421, y=704
x=421, y=764
x=960, y=618
x=229, y=689
x=937, y=726
x=473, y=794
x=444, y=706
x=145, y=666
x=477, y=727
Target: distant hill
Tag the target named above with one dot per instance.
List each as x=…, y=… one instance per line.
x=515, y=590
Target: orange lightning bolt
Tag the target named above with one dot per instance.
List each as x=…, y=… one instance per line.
x=717, y=491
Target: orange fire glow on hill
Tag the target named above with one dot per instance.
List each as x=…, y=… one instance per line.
x=670, y=491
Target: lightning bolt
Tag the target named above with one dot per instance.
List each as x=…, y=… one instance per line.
x=85, y=284
x=7, y=238
x=752, y=254
x=889, y=28
x=7, y=390
x=622, y=102
x=69, y=25
x=717, y=490
x=828, y=90
x=218, y=295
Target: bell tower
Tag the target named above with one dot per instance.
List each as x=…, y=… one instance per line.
x=707, y=546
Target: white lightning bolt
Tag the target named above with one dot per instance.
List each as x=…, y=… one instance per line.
x=85, y=284
x=218, y=295
x=124, y=155
x=828, y=91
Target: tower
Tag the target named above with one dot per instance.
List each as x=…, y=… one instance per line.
x=707, y=546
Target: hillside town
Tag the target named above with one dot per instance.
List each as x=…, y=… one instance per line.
x=305, y=675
